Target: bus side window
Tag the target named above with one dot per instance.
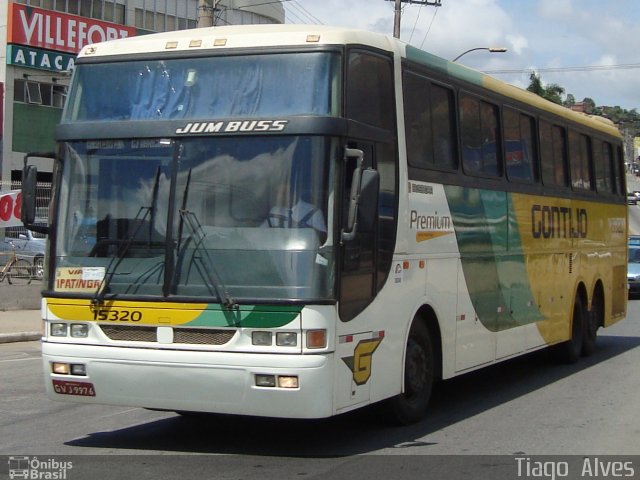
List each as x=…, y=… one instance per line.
x=553, y=154
x=618, y=170
x=580, y=156
x=520, y=152
x=428, y=116
x=370, y=90
x=603, y=167
x=479, y=127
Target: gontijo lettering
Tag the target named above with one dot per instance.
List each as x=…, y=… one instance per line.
x=558, y=222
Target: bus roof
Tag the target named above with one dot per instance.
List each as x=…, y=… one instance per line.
x=282, y=35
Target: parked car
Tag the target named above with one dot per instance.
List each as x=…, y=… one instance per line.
x=632, y=199
x=28, y=245
x=633, y=268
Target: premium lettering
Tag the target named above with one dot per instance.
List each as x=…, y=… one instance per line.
x=429, y=222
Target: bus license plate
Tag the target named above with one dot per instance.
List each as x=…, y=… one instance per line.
x=65, y=387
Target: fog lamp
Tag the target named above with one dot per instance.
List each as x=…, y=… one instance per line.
x=60, y=368
x=78, y=369
x=265, y=380
x=290, y=381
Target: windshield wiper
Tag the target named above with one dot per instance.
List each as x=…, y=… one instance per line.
x=98, y=296
x=205, y=267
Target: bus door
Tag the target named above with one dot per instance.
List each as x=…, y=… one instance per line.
x=357, y=289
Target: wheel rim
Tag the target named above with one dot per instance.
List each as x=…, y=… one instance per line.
x=416, y=371
x=38, y=268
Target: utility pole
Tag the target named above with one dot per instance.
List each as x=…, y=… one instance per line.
x=206, y=11
x=398, y=11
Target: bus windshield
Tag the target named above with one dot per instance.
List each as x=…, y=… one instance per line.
x=248, y=86
x=197, y=217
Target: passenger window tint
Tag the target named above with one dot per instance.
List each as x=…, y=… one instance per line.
x=429, y=121
x=480, y=139
x=520, y=153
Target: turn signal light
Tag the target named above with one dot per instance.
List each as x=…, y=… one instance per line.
x=317, y=338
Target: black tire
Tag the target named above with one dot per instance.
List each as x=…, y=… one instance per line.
x=570, y=351
x=38, y=268
x=419, y=370
x=593, y=321
x=19, y=273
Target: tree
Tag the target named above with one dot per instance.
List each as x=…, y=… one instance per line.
x=552, y=92
x=589, y=105
x=570, y=101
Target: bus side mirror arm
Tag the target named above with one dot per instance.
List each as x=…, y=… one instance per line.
x=29, y=185
x=363, y=198
x=349, y=232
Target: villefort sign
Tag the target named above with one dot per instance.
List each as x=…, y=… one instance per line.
x=46, y=29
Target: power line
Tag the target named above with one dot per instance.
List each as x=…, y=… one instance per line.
x=429, y=29
x=306, y=12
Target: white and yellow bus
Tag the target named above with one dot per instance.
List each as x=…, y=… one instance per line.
x=298, y=221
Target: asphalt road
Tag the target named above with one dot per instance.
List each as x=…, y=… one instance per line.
x=524, y=407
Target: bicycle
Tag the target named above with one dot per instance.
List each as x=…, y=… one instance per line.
x=17, y=270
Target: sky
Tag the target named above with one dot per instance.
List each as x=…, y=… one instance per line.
x=593, y=45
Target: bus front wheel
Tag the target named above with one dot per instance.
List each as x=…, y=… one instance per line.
x=411, y=405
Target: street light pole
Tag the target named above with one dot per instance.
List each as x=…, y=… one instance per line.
x=489, y=49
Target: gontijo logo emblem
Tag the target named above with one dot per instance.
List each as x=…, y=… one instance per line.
x=361, y=362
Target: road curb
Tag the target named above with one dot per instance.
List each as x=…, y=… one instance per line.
x=20, y=337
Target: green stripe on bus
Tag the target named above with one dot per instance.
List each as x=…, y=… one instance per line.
x=492, y=258
x=444, y=66
x=246, y=316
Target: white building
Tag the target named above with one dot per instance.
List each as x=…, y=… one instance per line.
x=40, y=38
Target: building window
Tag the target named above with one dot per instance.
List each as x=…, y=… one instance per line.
x=37, y=93
x=108, y=10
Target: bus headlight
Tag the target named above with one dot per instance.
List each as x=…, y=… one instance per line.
x=58, y=329
x=286, y=339
x=261, y=338
x=79, y=330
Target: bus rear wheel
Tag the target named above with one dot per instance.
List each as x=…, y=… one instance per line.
x=570, y=351
x=411, y=405
x=593, y=321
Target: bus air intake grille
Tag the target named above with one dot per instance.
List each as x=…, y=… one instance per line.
x=125, y=333
x=202, y=336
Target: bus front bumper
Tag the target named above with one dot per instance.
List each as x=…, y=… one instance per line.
x=217, y=382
